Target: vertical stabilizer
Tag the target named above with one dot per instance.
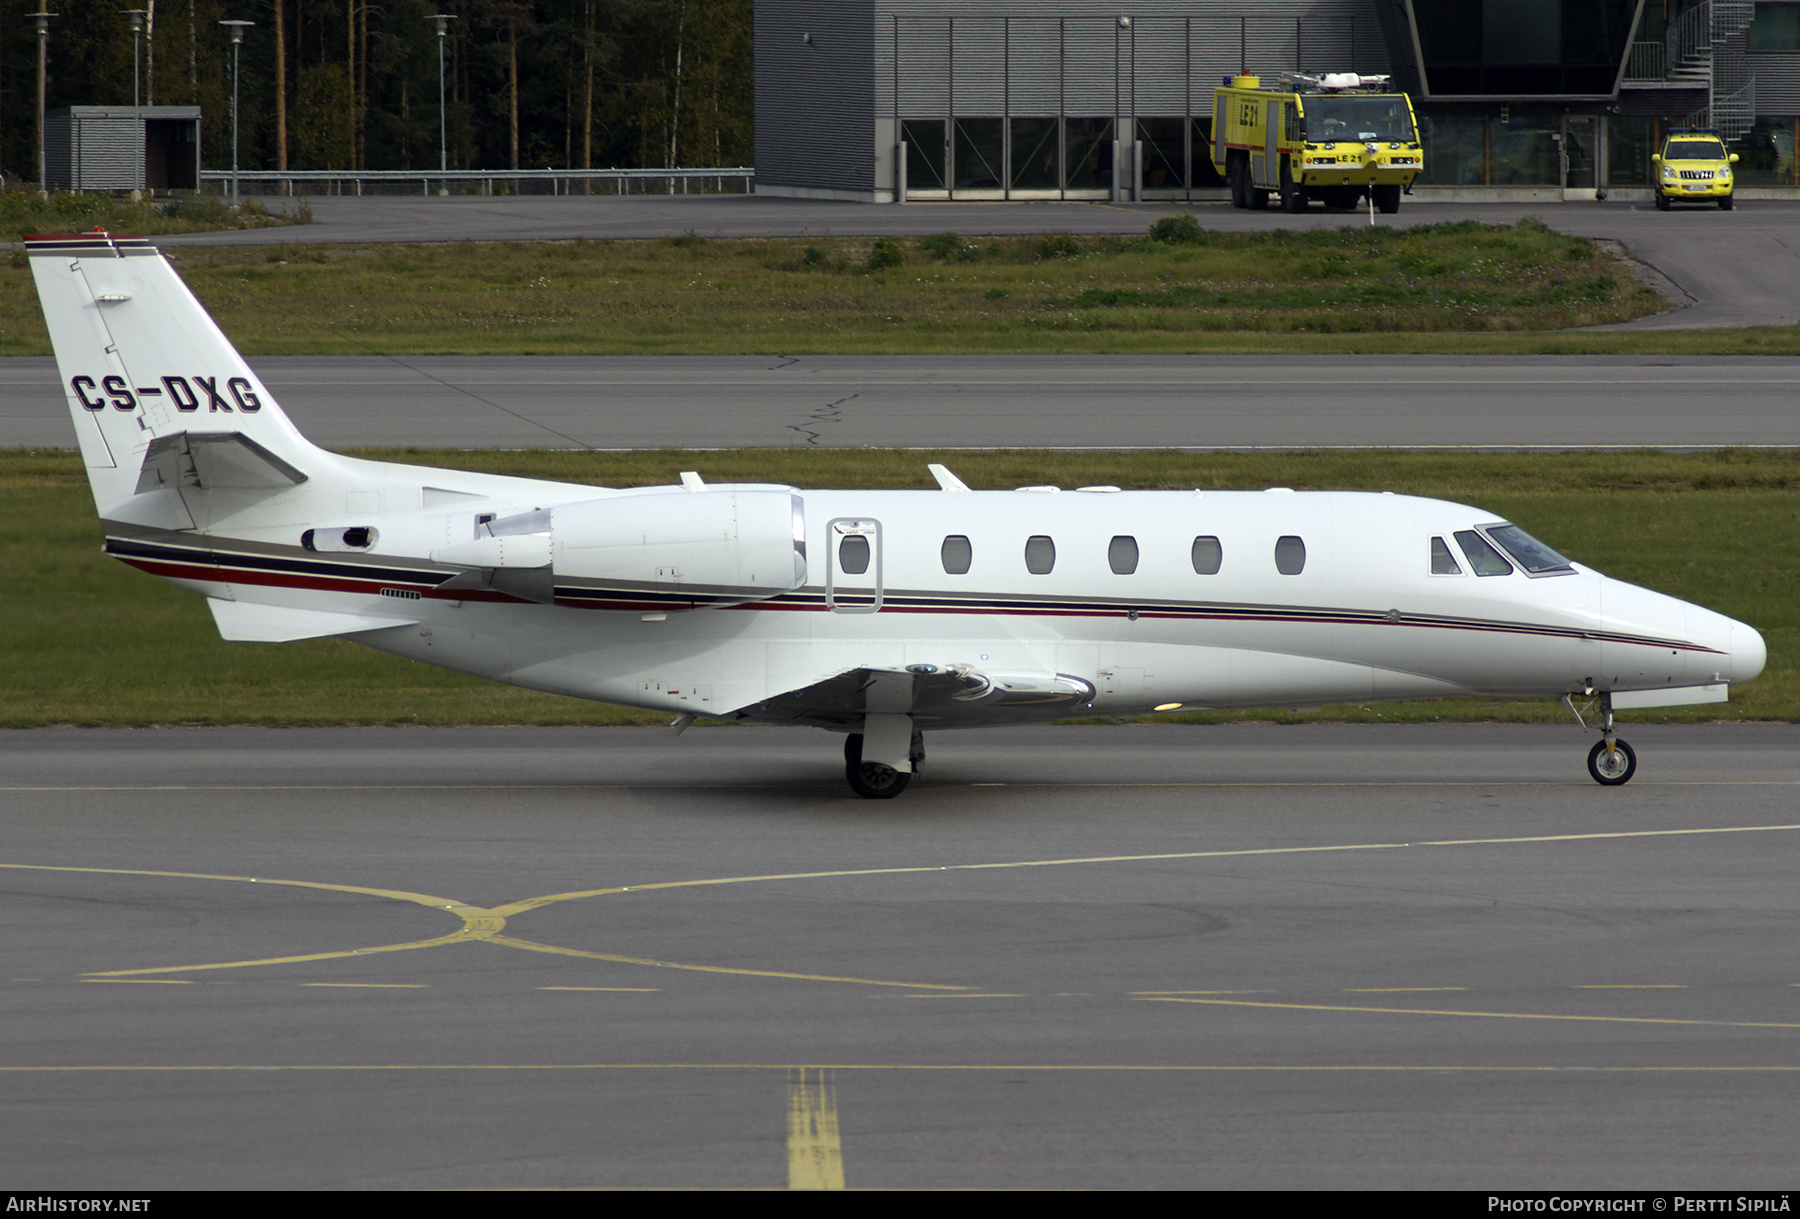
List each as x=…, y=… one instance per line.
x=147, y=373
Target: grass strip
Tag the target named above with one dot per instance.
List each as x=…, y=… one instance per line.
x=23, y=211
x=92, y=642
x=1457, y=288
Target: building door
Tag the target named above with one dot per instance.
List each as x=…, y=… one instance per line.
x=1581, y=156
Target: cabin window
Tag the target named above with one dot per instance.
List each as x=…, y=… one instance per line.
x=957, y=555
x=1443, y=563
x=1207, y=556
x=1040, y=555
x=1290, y=555
x=853, y=555
x=1122, y=555
x=1527, y=551
x=1484, y=560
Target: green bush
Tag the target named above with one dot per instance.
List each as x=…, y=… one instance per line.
x=1179, y=229
x=885, y=254
x=1059, y=245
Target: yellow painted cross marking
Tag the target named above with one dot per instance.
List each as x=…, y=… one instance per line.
x=1396, y=990
x=371, y=985
x=486, y=924
x=1417, y=1011
x=815, y=1160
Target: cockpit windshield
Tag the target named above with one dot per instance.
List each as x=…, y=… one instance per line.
x=1359, y=117
x=1527, y=551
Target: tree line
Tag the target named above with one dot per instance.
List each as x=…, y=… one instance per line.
x=353, y=84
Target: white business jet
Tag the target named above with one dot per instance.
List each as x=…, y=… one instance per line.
x=877, y=614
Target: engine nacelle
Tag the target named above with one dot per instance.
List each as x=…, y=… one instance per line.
x=717, y=546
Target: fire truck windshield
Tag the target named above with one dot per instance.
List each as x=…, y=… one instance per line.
x=1331, y=117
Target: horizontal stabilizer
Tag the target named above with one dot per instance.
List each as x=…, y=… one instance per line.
x=214, y=461
x=248, y=622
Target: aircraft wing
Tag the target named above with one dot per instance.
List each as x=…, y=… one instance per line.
x=934, y=697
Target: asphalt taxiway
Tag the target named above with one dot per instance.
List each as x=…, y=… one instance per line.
x=1157, y=956
x=1095, y=402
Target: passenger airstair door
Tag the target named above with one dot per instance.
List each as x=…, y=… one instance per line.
x=853, y=566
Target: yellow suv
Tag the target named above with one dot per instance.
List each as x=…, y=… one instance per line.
x=1693, y=167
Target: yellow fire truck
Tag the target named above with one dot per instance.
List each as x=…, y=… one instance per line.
x=1338, y=138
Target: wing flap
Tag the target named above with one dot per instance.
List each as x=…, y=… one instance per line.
x=958, y=695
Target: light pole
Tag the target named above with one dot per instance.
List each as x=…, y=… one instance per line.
x=137, y=32
x=43, y=29
x=237, y=29
x=443, y=21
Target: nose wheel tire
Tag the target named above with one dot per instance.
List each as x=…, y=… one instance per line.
x=870, y=780
x=1611, y=769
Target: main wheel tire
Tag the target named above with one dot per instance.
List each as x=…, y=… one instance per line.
x=1293, y=196
x=1725, y=204
x=1662, y=202
x=1387, y=198
x=1612, y=769
x=871, y=780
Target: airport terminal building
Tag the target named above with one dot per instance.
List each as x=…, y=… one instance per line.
x=876, y=100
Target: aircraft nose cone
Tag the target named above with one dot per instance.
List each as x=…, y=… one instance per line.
x=1748, y=653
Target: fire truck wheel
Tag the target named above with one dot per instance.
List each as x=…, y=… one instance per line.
x=1237, y=178
x=1259, y=199
x=1293, y=196
x=1387, y=198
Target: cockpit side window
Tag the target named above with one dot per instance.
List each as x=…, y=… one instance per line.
x=1443, y=563
x=1484, y=560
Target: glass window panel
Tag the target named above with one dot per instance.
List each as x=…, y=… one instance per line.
x=1165, y=160
x=1766, y=152
x=1040, y=555
x=979, y=160
x=1207, y=556
x=853, y=555
x=1776, y=27
x=1034, y=164
x=1523, y=152
x=957, y=555
x=1455, y=151
x=1443, y=563
x=1484, y=560
x=924, y=153
x=1122, y=555
x=1631, y=142
x=1088, y=153
x=1290, y=555
x=1526, y=550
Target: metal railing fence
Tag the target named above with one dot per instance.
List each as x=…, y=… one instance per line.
x=736, y=179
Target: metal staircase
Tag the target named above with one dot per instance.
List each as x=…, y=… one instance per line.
x=1703, y=48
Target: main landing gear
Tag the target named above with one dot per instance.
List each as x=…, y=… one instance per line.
x=1612, y=762
x=873, y=780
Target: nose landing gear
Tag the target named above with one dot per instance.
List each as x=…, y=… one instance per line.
x=1611, y=762
x=872, y=780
